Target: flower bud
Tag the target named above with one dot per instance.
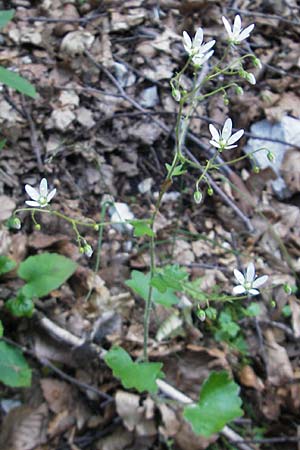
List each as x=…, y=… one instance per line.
x=96, y=227
x=15, y=223
x=88, y=251
x=251, y=78
x=256, y=169
x=37, y=227
x=239, y=90
x=270, y=156
x=287, y=288
x=257, y=62
x=198, y=197
x=201, y=315
x=210, y=191
x=176, y=94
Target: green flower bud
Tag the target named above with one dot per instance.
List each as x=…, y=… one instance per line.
x=210, y=191
x=239, y=90
x=287, y=288
x=257, y=62
x=273, y=304
x=201, y=315
x=15, y=223
x=37, y=227
x=256, y=169
x=176, y=94
x=270, y=156
x=96, y=227
x=198, y=197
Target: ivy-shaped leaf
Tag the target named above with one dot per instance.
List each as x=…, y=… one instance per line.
x=140, y=284
x=20, y=306
x=6, y=264
x=169, y=277
x=14, y=370
x=219, y=403
x=141, y=376
x=141, y=228
x=44, y=273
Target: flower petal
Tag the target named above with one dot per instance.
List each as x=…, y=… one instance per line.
x=214, y=132
x=237, y=26
x=44, y=187
x=253, y=292
x=198, y=39
x=229, y=147
x=246, y=32
x=51, y=195
x=32, y=192
x=238, y=290
x=250, y=273
x=32, y=203
x=215, y=144
x=227, y=129
x=235, y=137
x=227, y=26
x=205, y=47
x=260, y=281
x=187, y=43
x=239, y=276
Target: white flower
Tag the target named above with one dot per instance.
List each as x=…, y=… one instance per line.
x=236, y=33
x=88, y=251
x=248, y=283
x=40, y=197
x=196, y=48
x=225, y=139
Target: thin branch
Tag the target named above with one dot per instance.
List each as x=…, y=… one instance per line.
x=245, y=12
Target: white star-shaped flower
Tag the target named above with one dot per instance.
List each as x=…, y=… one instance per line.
x=40, y=197
x=199, y=51
x=248, y=283
x=224, y=140
x=236, y=33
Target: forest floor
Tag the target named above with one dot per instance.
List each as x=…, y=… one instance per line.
x=102, y=128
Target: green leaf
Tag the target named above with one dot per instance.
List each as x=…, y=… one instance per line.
x=20, y=306
x=14, y=370
x=44, y=273
x=2, y=143
x=252, y=310
x=6, y=264
x=1, y=329
x=6, y=16
x=178, y=170
x=140, y=376
x=169, y=277
x=219, y=403
x=17, y=82
x=140, y=284
x=141, y=228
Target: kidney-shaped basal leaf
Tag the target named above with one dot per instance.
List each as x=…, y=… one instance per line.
x=14, y=370
x=141, y=376
x=44, y=273
x=17, y=82
x=219, y=404
x=140, y=284
x=6, y=264
x=6, y=16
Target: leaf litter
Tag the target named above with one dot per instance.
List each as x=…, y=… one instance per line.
x=93, y=142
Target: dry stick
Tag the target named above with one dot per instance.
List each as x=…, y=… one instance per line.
x=244, y=12
x=72, y=340
x=33, y=135
x=166, y=129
